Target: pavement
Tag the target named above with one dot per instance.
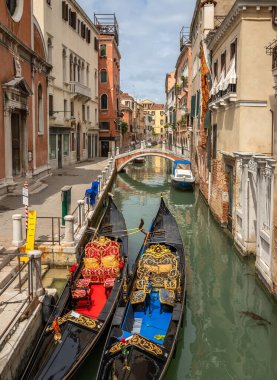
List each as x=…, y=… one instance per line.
x=46, y=198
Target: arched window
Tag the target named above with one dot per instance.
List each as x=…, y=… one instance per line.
x=40, y=110
x=49, y=50
x=78, y=71
x=103, y=76
x=104, y=102
x=83, y=74
x=64, y=65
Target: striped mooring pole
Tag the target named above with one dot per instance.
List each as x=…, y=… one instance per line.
x=26, y=208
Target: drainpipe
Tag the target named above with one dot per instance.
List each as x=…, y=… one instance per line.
x=274, y=23
x=272, y=131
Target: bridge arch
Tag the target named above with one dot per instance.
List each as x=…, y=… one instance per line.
x=123, y=159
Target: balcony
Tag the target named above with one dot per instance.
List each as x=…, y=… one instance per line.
x=80, y=90
x=271, y=49
x=223, y=97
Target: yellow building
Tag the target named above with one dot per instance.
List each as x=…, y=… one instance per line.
x=156, y=111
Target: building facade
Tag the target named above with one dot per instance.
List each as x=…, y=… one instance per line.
x=71, y=40
x=157, y=113
x=109, y=83
x=182, y=78
x=23, y=99
x=170, y=106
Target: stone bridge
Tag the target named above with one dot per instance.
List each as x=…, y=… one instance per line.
x=173, y=154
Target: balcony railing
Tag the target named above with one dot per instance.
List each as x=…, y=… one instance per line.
x=271, y=49
x=222, y=97
x=80, y=89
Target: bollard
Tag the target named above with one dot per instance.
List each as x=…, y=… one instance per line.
x=81, y=212
x=34, y=273
x=69, y=230
x=110, y=166
x=17, y=230
x=103, y=177
x=100, y=184
x=117, y=151
x=109, y=155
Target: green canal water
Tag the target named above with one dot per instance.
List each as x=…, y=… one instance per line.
x=218, y=341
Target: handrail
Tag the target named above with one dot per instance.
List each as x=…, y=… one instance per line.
x=13, y=278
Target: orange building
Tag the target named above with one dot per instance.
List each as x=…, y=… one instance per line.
x=23, y=96
x=109, y=83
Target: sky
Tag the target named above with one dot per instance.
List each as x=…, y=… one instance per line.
x=148, y=40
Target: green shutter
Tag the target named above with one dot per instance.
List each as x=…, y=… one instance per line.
x=192, y=106
x=207, y=121
x=198, y=103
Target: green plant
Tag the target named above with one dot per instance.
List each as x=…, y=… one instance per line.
x=123, y=127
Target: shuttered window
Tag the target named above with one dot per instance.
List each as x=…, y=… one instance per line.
x=198, y=103
x=96, y=43
x=192, y=106
x=64, y=11
x=207, y=120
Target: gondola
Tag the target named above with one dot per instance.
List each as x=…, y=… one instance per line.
x=86, y=304
x=143, y=334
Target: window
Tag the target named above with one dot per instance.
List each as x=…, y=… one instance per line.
x=88, y=113
x=72, y=19
x=49, y=50
x=233, y=50
x=40, y=110
x=50, y=105
x=66, y=145
x=65, y=108
x=103, y=50
x=84, y=141
x=72, y=109
x=87, y=75
x=161, y=122
x=103, y=76
x=96, y=115
x=71, y=68
x=161, y=113
x=95, y=43
x=104, y=125
x=64, y=65
x=52, y=147
x=64, y=11
x=95, y=83
x=83, y=112
x=72, y=142
x=152, y=112
x=214, y=141
x=104, y=102
x=223, y=63
x=215, y=69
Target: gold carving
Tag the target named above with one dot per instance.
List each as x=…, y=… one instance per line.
x=139, y=341
x=81, y=320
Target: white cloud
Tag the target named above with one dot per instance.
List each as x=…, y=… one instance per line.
x=148, y=40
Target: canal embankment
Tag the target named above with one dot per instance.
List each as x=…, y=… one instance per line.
x=25, y=286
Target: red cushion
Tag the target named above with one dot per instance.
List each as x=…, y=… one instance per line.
x=82, y=283
x=79, y=293
x=110, y=272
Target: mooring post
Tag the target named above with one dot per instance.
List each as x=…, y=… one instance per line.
x=117, y=151
x=17, y=230
x=69, y=230
x=34, y=273
x=100, y=184
x=81, y=212
x=110, y=166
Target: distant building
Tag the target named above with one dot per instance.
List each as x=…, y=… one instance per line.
x=157, y=113
x=109, y=83
x=23, y=96
x=71, y=40
x=127, y=109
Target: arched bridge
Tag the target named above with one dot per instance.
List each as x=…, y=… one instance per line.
x=173, y=154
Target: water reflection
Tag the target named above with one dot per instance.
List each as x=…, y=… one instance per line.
x=217, y=342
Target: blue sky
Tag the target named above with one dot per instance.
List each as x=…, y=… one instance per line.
x=149, y=40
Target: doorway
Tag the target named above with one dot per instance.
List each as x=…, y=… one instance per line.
x=60, y=152
x=89, y=146
x=104, y=148
x=78, y=156
x=16, y=145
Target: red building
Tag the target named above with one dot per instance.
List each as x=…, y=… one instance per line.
x=23, y=97
x=109, y=83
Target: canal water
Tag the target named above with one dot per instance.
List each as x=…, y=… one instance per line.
x=220, y=339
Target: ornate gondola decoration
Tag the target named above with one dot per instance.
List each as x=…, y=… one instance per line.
x=145, y=328
x=87, y=302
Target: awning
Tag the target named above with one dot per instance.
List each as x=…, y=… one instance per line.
x=231, y=77
x=219, y=86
